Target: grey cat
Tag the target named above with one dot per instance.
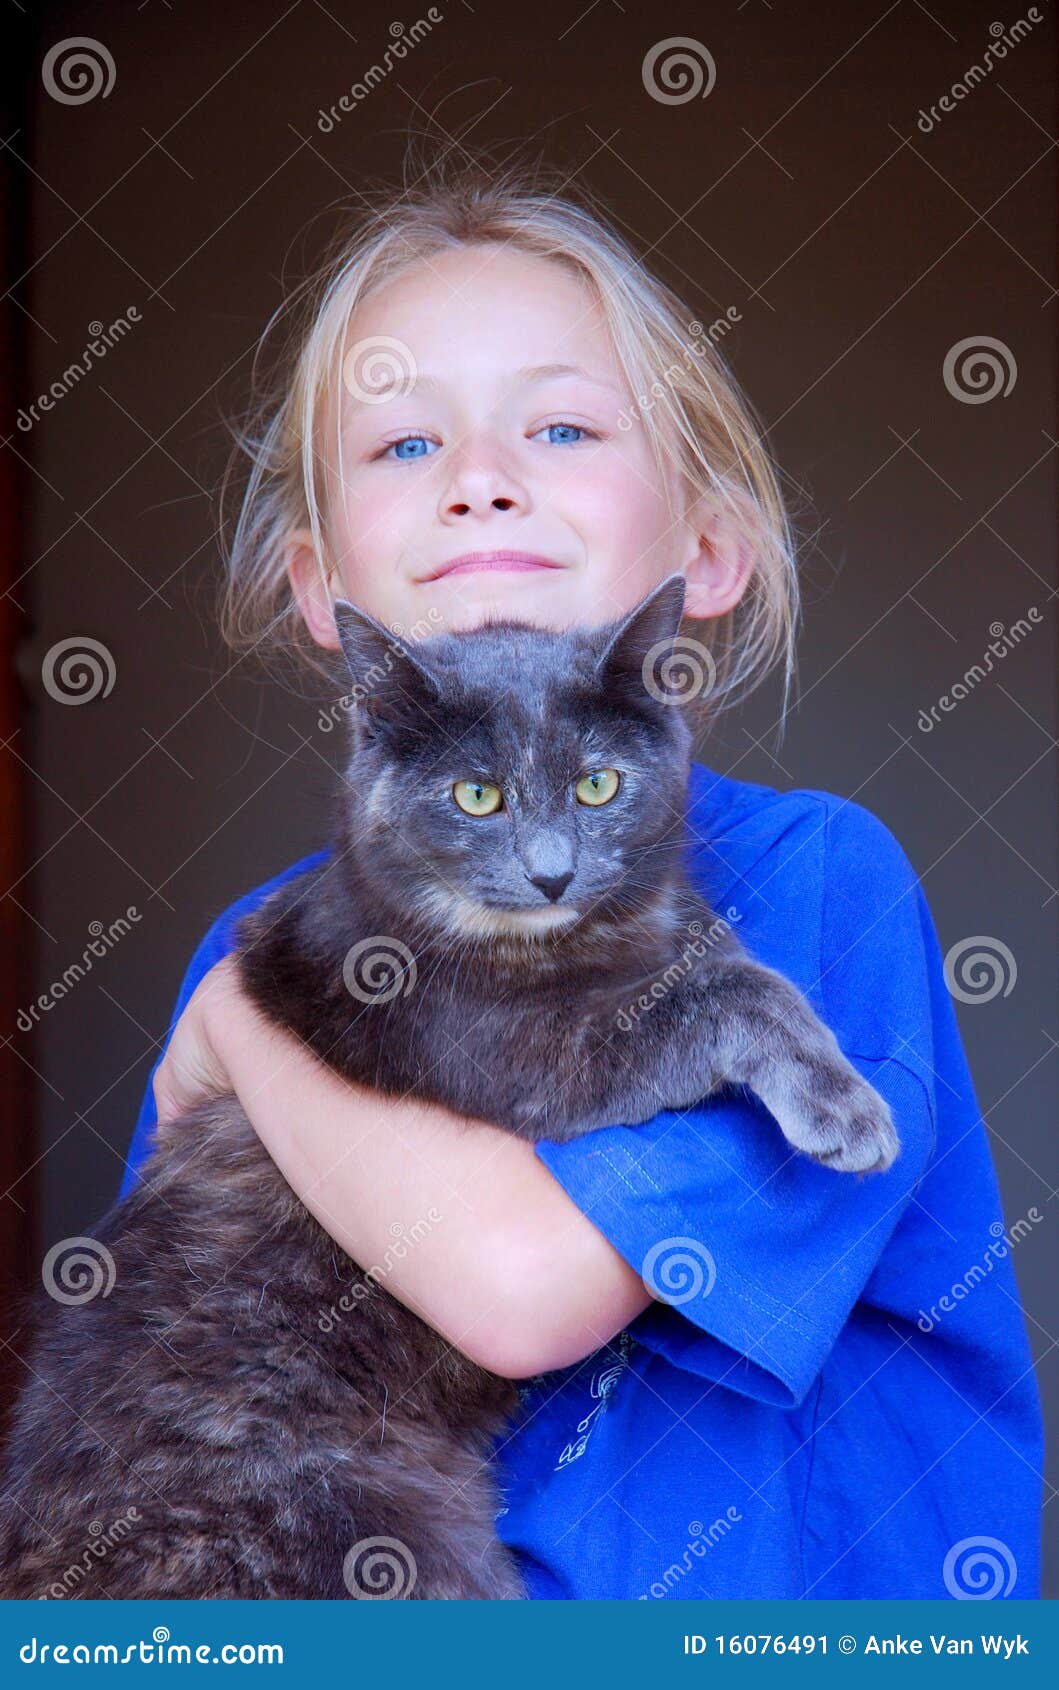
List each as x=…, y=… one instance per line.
x=510, y=834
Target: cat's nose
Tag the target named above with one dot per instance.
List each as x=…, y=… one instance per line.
x=552, y=885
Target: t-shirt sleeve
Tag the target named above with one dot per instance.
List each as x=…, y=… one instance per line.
x=216, y=944
x=757, y=1254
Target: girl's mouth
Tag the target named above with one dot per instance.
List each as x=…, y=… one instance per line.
x=470, y=562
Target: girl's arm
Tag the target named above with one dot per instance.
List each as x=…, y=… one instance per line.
x=502, y=1262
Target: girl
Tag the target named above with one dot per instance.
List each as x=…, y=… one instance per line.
x=744, y=1375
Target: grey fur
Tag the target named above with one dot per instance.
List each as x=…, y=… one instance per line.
x=258, y=1447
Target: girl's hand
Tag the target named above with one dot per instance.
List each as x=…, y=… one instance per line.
x=508, y=1269
x=193, y=1067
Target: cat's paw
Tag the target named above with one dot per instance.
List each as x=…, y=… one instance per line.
x=853, y=1135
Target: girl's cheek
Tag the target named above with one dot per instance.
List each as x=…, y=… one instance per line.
x=620, y=489
x=376, y=504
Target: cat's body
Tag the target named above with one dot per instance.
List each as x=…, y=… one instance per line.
x=252, y=1437
x=272, y=1452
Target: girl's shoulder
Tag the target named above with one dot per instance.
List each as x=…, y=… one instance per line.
x=220, y=936
x=822, y=846
x=819, y=887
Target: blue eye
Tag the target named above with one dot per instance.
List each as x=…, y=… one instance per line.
x=413, y=442
x=413, y=446
x=565, y=430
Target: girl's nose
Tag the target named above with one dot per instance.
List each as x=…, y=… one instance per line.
x=481, y=482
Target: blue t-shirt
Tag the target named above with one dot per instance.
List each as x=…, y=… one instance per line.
x=836, y=1397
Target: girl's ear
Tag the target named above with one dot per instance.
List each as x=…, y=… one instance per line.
x=720, y=558
x=310, y=588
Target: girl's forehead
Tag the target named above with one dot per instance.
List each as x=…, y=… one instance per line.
x=492, y=297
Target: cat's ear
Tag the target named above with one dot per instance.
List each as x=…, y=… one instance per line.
x=634, y=649
x=392, y=680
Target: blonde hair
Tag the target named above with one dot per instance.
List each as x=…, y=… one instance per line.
x=696, y=418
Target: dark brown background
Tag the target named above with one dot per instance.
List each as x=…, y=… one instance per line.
x=858, y=251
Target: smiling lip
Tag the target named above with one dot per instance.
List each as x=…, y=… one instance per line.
x=469, y=562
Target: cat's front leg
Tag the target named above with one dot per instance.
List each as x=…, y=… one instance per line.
x=731, y=1021
x=769, y=1038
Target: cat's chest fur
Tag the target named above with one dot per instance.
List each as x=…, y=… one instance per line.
x=488, y=1039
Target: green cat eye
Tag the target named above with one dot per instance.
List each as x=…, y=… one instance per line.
x=599, y=787
x=477, y=797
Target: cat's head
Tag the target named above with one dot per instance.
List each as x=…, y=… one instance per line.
x=510, y=779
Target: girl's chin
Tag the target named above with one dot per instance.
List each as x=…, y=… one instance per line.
x=541, y=597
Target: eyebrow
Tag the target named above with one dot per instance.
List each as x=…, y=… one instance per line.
x=529, y=373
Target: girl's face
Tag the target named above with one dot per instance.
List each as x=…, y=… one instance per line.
x=506, y=440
